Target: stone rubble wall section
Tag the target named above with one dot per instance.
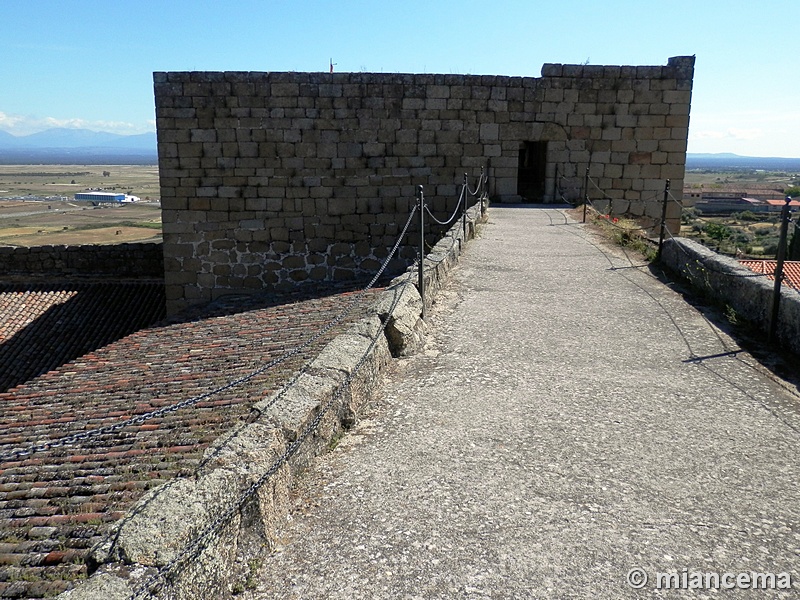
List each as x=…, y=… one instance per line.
x=165, y=521
x=131, y=260
x=728, y=282
x=261, y=169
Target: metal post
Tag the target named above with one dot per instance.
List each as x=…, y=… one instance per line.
x=464, y=210
x=776, y=291
x=481, y=193
x=663, y=231
x=421, y=285
x=585, y=193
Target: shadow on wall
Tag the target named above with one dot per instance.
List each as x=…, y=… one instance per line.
x=235, y=302
x=60, y=323
x=782, y=363
x=45, y=326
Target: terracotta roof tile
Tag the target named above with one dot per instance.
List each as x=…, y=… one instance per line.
x=44, y=326
x=782, y=202
x=791, y=270
x=56, y=504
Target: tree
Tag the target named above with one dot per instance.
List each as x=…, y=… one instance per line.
x=717, y=231
x=689, y=215
x=793, y=191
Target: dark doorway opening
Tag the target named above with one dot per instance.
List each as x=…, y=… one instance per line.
x=531, y=171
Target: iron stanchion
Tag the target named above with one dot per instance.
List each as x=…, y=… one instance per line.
x=663, y=231
x=779, y=259
x=464, y=209
x=421, y=196
x=585, y=193
x=484, y=190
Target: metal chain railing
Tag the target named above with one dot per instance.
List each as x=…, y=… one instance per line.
x=479, y=193
x=201, y=541
x=455, y=211
x=306, y=366
x=693, y=357
x=163, y=411
x=778, y=276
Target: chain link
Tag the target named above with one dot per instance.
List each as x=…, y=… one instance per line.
x=197, y=545
x=160, y=412
x=478, y=187
x=478, y=204
x=703, y=265
x=628, y=229
x=455, y=212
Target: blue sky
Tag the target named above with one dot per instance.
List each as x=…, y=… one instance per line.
x=89, y=63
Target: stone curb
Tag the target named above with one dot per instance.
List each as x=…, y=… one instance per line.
x=727, y=281
x=169, y=517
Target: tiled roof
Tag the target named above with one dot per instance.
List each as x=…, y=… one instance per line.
x=43, y=326
x=781, y=203
x=791, y=270
x=55, y=504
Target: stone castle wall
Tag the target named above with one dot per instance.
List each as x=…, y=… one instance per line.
x=269, y=179
x=118, y=261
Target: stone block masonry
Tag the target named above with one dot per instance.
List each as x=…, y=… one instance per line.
x=273, y=179
x=105, y=261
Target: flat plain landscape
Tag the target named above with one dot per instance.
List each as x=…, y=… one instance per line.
x=66, y=180
x=27, y=222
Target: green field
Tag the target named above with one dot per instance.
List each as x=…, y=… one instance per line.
x=66, y=180
x=745, y=178
x=742, y=234
x=55, y=222
x=29, y=223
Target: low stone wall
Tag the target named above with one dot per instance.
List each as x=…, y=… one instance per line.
x=136, y=261
x=727, y=281
x=159, y=531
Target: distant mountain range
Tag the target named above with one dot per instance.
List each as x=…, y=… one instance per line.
x=82, y=146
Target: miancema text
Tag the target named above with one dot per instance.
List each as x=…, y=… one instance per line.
x=686, y=579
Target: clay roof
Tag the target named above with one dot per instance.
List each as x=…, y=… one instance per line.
x=55, y=504
x=794, y=203
x=43, y=326
x=791, y=270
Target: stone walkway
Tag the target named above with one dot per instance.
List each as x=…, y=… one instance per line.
x=554, y=435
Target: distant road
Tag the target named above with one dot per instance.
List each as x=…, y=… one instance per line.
x=39, y=212
x=68, y=208
x=33, y=214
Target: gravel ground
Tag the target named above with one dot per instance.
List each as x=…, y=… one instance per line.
x=557, y=432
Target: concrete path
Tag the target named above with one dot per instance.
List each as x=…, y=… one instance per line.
x=551, y=438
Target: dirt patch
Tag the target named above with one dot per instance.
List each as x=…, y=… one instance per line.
x=53, y=180
x=27, y=236
x=42, y=223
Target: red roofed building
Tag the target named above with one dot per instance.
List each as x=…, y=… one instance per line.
x=779, y=203
x=791, y=270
